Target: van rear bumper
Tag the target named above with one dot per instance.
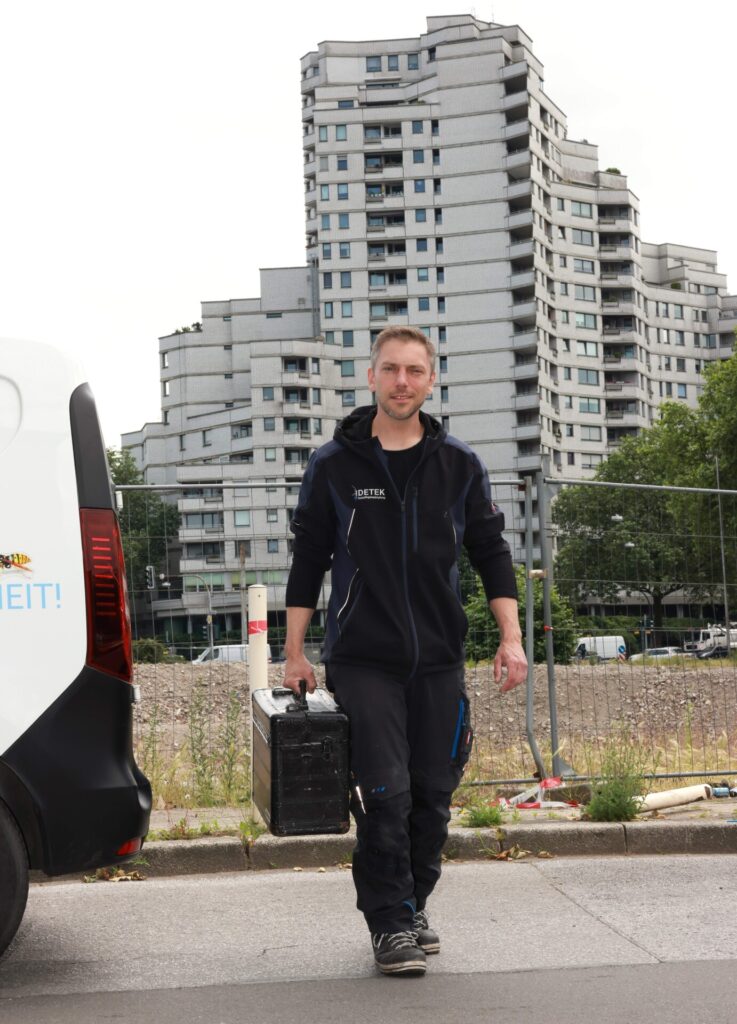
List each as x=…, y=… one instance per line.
x=71, y=780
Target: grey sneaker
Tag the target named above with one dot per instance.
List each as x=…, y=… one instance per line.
x=398, y=953
x=427, y=939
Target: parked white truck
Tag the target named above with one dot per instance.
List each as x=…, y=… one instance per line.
x=71, y=795
x=605, y=648
x=704, y=641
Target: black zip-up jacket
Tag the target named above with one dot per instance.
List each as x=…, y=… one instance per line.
x=395, y=600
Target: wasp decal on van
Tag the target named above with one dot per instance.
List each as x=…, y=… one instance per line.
x=16, y=562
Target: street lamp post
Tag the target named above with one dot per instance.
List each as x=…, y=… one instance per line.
x=197, y=576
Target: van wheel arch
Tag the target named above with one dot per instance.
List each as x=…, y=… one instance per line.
x=13, y=877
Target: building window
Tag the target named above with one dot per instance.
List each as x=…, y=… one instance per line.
x=348, y=398
x=423, y=304
x=392, y=62
x=345, y=277
x=444, y=393
x=373, y=63
x=316, y=399
x=417, y=127
x=342, y=191
x=326, y=250
x=439, y=246
x=563, y=289
x=436, y=156
x=441, y=305
x=420, y=216
x=315, y=365
x=588, y=405
x=327, y=280
x=443, y=364
x=328, y=311
x=272, y=546
x=437, y=186
x=413, y=61
x=680, y=365
x=272, y=515
x=165, y=389
x=181, y=443
x=442, y=334
x=421, y=245
x=325, y=221
x=347, y=339
x=346, y=309
x=322, y=133
x=344, y=220
x=566, y=373
x=317, y=426
x=345, y=104
x=581, y=209
x=270, y=454
x=583, y=266
x=431, y=54
x=582, y=237
x=587, y=348
x=586, y=320
x=435, y=127
x=164, y=360
x=438, y=215
x=681, y=391
x=423, y=273
x=561, y=204
x=324, y=192
x=344, y=250
x=203, y=520
x=268, y=394
x=342, y=163
x=269, y=423
x=341, y=132
x=419, y=184
x=418, y=156
x=242, y=517
x=586, y=293
x=571, y=456
x=347, y=368
x=588, y=376
x=591, y=433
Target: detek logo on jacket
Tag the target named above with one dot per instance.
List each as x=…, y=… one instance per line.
x=369, y=494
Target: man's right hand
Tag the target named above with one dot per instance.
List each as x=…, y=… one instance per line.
x=298, y=667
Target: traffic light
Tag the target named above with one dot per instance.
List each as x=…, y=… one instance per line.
x=204, y=632
x=150, y=577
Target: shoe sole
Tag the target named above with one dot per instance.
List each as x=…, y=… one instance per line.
x=431, y=948
x=413, y=967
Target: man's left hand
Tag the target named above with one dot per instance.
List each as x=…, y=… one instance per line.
x=511, y=657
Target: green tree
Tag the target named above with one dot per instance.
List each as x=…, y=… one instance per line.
x=149, y=525
x=614, y=542
x=483, y=635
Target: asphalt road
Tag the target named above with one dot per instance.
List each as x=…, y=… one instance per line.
x=575, y=941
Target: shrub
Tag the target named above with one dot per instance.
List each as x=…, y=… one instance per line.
x=620, y=783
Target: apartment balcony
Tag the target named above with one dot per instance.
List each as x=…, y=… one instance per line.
x=518, y=69
x=516, y=250
x=627, y=415
x=517, y=165
x=530, y=400
x=515, y=99
x=516, y=129
x=523, y=340
x=524, y=312
x=528, y=463
x=527, y=432
x=523, y=219
x=616, y=252
x=615, y=223
x=627, y=308
x=525, y=371
x=525, y=279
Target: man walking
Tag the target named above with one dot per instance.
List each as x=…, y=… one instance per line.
x=386, y=505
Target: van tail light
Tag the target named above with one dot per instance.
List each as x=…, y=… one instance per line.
x=108, y=619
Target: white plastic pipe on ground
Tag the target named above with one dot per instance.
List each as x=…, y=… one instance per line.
x=675, y=797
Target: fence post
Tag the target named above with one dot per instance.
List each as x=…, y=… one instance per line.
x=530, y=630
x=258, y=670
x=546, y=554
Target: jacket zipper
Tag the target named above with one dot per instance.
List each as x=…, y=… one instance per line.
x=345, y=603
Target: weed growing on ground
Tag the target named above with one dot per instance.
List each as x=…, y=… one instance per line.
x=621, y=781
x=481, y=815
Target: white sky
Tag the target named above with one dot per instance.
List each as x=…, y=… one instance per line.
x=151, y=151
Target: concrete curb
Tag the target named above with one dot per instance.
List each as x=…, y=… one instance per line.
x=165, y=858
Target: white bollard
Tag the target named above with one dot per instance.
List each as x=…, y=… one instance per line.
x=258, y=666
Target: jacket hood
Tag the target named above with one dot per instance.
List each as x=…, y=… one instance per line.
x=355, y=429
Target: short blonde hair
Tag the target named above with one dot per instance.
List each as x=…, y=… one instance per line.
x=403, y=334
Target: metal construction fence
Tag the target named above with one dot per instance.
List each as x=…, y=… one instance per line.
x=645, y=576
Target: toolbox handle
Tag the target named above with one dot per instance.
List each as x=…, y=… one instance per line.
x=300, y=702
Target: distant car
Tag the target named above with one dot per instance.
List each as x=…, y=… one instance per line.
x=227, y=652
x=658, y=652
x=715, y=652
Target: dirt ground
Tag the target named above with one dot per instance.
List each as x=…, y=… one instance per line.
x=684, y=714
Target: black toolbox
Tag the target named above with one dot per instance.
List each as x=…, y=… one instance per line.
x=300, y=762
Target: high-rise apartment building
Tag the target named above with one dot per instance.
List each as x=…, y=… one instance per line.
x=441, y=190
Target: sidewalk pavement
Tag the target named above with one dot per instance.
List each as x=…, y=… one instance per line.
x=703, y=827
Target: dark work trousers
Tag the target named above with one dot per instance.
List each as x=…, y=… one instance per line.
x=406, y=760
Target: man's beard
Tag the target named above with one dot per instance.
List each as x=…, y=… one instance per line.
x=402, y=414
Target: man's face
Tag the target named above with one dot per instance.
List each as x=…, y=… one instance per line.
x=402, y=379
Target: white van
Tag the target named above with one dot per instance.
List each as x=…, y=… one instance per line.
x=605, y=648
x=71, y=795
x=227, y=652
